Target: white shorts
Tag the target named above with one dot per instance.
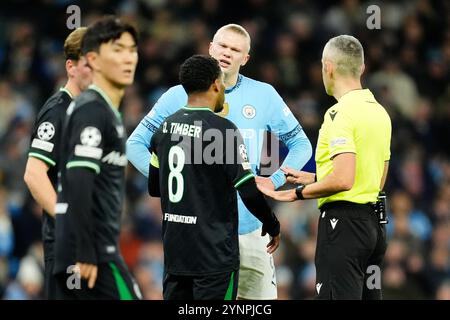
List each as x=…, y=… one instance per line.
x=257, y=271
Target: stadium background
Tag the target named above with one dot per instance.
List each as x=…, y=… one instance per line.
x=407, y=66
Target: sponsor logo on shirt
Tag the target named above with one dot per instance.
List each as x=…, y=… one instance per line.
x=115, y=158
x=180, y=218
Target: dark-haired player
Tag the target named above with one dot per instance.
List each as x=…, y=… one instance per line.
x=88, y=212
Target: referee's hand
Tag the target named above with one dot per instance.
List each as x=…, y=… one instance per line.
x=88, y=272
x=298, y=177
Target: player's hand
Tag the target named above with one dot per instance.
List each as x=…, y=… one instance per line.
x=285, y=195
x=273, y=245
x=88, y=272
x=298, y=177
x=264, y=182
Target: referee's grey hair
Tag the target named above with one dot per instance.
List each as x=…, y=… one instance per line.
x=347, y=53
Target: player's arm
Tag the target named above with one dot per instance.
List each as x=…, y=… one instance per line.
x=80, y=181
x=153, y=178
x=340, y=179
x=244, y=181
x=40, y=185
x=342, y=152
x=255, y=202
x=138, y=144
x=290, y=132
x=43, y=154
x=86, y=136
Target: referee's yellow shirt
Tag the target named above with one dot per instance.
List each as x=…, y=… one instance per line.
x=360, y=125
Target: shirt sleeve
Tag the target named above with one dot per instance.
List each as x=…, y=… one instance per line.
x=86, y=138
x=153, y=177
x=254, y=200
x=284, y=125
x=81, y=184
x=45, y=138
x=138, y=143
x=341, y=139
x=282, y=121
x=237, y=166
x=387, y=152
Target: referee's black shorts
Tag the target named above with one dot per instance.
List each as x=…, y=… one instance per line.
x=114, y=282
x=221, y=286
x=350, y=248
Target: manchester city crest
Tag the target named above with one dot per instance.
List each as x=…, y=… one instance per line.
x=249, y=111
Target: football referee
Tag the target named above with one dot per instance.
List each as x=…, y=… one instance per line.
x=352, y=157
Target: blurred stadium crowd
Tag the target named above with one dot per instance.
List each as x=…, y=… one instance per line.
x=407, y=66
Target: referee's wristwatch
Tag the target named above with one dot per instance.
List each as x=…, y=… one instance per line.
x=299, y=191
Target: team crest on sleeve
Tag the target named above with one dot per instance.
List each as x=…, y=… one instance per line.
x=249, y=111
x=244, y=156
x=46, y=131
x=91, y=136
x=243, y=152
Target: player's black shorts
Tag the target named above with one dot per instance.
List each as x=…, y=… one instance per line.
x=350, y=248
x=221, y=286
x=114, y=282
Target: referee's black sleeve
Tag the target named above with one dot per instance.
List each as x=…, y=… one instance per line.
x=255, y=202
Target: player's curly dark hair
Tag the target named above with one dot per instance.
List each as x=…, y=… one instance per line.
x=198, y=72
x=107, y=29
